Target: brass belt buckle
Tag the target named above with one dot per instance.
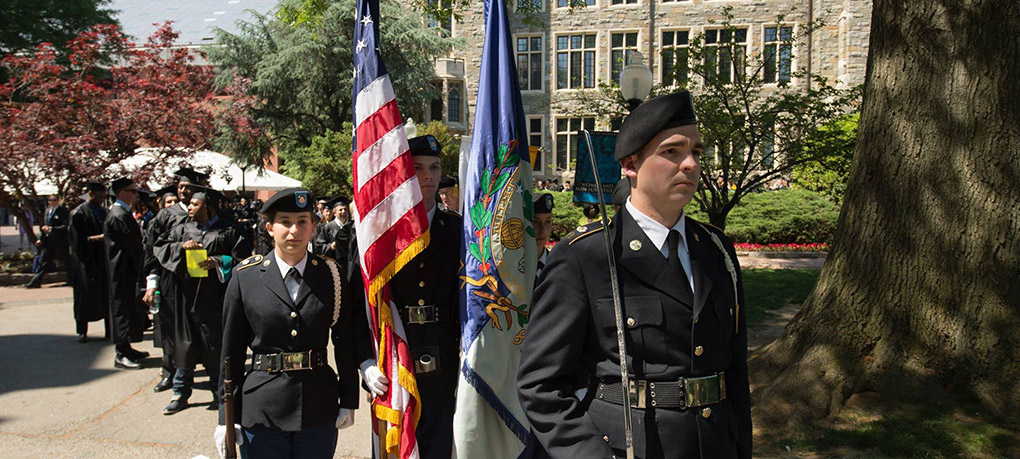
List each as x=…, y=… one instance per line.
x=297, y=361
x=704, y=390
x=638, y=393
x=421, y=314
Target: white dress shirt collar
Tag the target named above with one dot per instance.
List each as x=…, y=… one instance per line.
x=655, y=231
x=284, y=267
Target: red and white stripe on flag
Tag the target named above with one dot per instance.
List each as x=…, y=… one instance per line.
x=392, y=228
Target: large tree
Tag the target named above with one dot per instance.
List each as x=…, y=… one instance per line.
x=71, y=122
x=921, y=288
x=25, y=24
x=301, y=75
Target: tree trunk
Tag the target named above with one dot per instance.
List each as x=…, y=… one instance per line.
x=922, y=286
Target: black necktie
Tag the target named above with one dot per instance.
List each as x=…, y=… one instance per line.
x=673, y=242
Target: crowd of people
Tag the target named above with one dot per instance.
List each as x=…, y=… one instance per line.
x=281, y=280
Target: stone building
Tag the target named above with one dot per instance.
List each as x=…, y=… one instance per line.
x=575, y=49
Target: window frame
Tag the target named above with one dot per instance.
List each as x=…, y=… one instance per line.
x=459, y=85
x=542, y=72
x=778, y=44
x=624, y=49
x=569, y=133
x=595, y=49
x=663, y=49
x=746, y=45
x=540, y=161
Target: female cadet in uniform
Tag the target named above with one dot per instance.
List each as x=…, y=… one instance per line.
x=285, y=306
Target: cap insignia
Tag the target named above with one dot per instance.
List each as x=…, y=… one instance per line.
x=301, y=199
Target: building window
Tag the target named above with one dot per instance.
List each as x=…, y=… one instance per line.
x=566, y=3
x=436, y=106
x=440, y=20
x=675, y=54
x=529, y=63
x=622, y=47
x=575, y=61
x=768, y=146
x=778, y=54
x=529, y=5
x=674, y=1
x=453, y=103
x=535, y=128
x=725, y=52
x=567, y=138
x=623, y=2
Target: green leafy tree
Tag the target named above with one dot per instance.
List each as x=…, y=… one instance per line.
x=828, y=175
x=450, y=156
x=27, y=23
x=325, y=166
x=300, y=72
x=756, y=125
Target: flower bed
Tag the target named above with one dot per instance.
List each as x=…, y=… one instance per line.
x=812, y=247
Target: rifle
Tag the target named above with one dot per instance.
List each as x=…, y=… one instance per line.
x=228, y=410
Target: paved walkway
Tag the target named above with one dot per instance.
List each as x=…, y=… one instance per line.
x=62, y=399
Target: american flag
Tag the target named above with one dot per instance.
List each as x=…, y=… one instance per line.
x=392, y=228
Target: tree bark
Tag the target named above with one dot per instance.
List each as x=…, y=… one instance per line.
x=922, y=286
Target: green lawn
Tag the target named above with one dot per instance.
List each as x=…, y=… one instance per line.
x=767, y=289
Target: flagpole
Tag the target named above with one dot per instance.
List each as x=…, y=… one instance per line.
x=621, y=340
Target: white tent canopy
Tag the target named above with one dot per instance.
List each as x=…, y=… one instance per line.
x=224, y=174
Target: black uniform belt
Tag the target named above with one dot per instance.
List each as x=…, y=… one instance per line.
x=426, y=314
x=289, y=361
x=683, y=394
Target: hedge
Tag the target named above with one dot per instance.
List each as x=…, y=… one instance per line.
x=785, y=216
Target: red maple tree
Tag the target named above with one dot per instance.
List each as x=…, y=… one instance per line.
x=74, y=121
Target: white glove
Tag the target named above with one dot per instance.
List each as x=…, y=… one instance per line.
x=220, y=436
x=344, y=419
x=374, y=379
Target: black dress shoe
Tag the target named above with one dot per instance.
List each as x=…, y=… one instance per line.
x=175, y=406
x=135, y=354
x=125, y=362
x=165, y=383
x=82, y=338
x=32, y=286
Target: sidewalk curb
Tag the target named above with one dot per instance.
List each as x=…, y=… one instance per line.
x=783, y=254
x=37, y=302
x=15, y=279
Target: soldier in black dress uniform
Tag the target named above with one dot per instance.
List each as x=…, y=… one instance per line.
x=87, y=271
x=681, y=295
x=198, y=319
x=426, y=291
x=158, y=278
x=123, y=239
x=285, y=307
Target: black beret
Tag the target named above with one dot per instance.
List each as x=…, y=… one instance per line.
x=621, y=191
x=651, y=118
x=290, y=200
x=95, y=186
x=447, y=181
x=425, y=145
x=187, y=174
x=543, y=203
x=121, y=183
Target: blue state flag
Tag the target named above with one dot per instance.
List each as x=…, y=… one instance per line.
x=499, y=256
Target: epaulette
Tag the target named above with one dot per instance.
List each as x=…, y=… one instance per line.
x=323, y=258
x=584, y=230
x=707, y=225
x=249, y=262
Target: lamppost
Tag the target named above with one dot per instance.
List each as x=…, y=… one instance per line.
x=636, y=81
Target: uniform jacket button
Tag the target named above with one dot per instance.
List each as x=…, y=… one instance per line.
x=293, y=314
x=606, y=438
x=631, y=322
x=705, y=413
x=695, y=319
x=699, y=350
x=421, y=284
x=293, y=333
x=421, y=302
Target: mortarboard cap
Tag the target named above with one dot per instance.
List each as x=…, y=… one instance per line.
x=651, y=118
x=425, y=145
x=337, y=200
x=543, y=203
x=121, y=183
x=207, y=195
x=187, y=174
x=290, y=200
x=95, y=186
x=163, y=192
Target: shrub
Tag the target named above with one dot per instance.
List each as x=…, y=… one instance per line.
x=783, y=217
x=567, y=215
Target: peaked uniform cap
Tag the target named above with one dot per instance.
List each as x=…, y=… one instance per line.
x=651, y=118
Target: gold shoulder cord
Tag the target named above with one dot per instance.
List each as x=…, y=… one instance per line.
x=733, y=275
x=336, y=289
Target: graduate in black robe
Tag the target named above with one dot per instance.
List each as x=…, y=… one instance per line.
x=123, y=239
x=198, y=326
x=157, y=278
x=87, y=269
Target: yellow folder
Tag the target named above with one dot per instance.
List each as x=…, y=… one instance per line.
x=193, y=258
